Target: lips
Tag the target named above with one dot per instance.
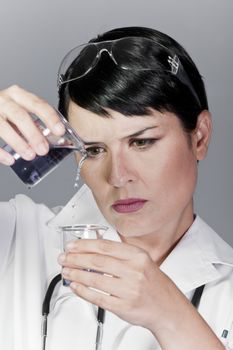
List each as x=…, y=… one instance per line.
x=128, y=205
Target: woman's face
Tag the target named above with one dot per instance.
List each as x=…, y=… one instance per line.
x=142, y=170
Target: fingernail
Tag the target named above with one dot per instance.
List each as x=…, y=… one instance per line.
x=61, y=258
x=74, y=285
x=42, y=148
x=59, y=129
x=8, y=161
x=65, y=271
x=29, y=153
x=70, y=245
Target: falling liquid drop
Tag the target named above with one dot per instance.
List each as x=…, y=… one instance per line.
x=80, y=164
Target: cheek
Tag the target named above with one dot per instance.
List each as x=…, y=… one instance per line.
x=176, y=175
x=92, y=176
x=100, y=189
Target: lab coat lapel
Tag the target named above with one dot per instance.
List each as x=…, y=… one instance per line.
x=193, y=261
x=81, y=209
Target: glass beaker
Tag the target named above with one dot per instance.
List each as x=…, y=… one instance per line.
x=33, y=171
x=85, y=231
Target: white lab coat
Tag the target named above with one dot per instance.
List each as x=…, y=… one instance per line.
x=29, y=248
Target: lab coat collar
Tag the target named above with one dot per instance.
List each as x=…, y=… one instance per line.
x=195, y=259
x=192, y=262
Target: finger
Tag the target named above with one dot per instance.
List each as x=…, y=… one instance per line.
x=23, y=123
x=107, y=302
x=97, y=262
x=6, y=158
x=38, y=106
x=14, y=140
x=103, y=246
x=104, y=283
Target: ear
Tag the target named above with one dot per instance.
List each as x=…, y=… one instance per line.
x=202, y=134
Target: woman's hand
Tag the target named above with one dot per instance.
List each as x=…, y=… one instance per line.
x=17, y=128
x=133, y=286
x=130, y=285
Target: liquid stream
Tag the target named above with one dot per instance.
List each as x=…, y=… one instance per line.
x=80, y=164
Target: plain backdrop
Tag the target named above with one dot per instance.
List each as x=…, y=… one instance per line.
x=35, y=35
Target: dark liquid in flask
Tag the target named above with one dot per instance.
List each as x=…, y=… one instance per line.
x=31, y=172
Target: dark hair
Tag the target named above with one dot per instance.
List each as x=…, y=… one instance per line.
x=133, y=92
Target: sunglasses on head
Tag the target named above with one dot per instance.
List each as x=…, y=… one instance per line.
x=122, y=51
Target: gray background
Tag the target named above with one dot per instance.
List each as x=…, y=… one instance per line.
x=35, y=35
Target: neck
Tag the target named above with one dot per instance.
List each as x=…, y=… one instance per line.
x=160, y=243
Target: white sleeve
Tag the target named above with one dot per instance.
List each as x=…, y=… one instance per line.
x=7, y=231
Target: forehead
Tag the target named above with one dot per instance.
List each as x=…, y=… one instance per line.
x=89, y=124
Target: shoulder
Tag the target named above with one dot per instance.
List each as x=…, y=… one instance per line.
x=217, y=258
x=21, y=210
x=26, y=207
x=212, y=245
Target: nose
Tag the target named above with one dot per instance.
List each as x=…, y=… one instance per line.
x=120, y=171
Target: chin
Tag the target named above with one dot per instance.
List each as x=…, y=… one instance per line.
x=130, y=228
x=132, y=225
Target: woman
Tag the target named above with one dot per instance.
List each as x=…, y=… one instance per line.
x=139, y=103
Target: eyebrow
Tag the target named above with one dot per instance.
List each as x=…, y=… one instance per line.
x=138, y=133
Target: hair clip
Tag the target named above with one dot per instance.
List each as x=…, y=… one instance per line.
x=174, y=63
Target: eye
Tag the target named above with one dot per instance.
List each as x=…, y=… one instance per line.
x=142, y=143
x=94, y=151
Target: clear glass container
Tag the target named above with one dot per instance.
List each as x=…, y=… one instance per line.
x=85, y=231
x=33, y=171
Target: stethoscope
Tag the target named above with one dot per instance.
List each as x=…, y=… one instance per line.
x=100, y=314
x=46, y=310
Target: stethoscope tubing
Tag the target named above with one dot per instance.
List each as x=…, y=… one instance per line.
x=195, y=301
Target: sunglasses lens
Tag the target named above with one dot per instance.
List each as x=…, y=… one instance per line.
x=83, y=58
